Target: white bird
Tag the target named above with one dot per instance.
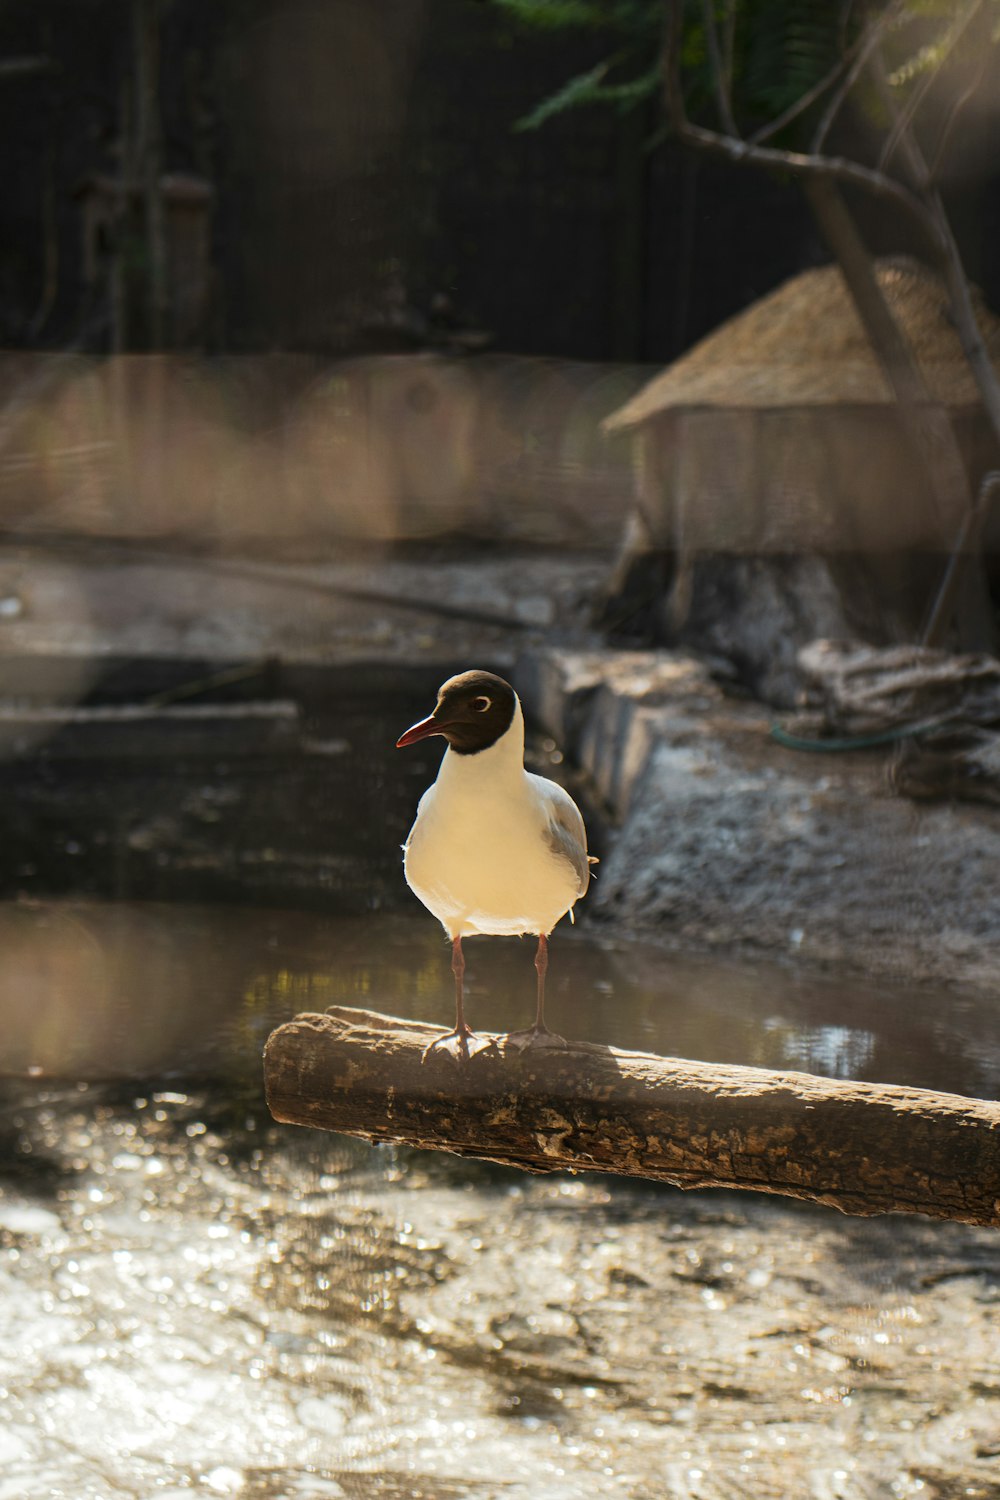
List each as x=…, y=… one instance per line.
x=494, y=848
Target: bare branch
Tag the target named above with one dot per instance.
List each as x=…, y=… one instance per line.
x=672, y=84
x=801, y=105
x=956, y=281
x=842, y=69
x=906, y=115
x=818, y=89
x=729, y=45
x=718, y=71
x=844, y=21
x=924, y=421
x=838, y=168
x=969, y=333
x=866, y=43
x=958, y=105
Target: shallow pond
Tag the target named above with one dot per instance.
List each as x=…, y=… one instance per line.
x=195, y=1301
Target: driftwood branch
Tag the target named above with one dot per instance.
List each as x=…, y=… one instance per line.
x=860, y=1147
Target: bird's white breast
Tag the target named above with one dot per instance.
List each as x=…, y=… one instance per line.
x=478, y=855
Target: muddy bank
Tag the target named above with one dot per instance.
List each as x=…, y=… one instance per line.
x=724, y=839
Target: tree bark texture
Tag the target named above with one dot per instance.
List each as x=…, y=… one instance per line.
x=863, y=1148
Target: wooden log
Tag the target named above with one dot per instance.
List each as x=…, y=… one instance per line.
x=861, y=1147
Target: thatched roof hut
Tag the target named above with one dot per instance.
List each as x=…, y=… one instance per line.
x=778, y=432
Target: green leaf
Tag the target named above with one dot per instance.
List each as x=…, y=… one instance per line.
x=633, y=20
x=554, y=15
x=627, y=94
x=579, y=90
x=790, y=46
x=587, y=88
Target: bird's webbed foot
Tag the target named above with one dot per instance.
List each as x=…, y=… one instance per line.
x=459, y=1045
x=534, y=1036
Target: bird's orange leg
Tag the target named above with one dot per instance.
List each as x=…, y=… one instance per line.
x=539, y=1034
x=457, y=1043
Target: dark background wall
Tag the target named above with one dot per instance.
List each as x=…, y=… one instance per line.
x=368, y=179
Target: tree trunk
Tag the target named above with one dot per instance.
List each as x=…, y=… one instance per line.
x=926, y=423
x=860, y=1147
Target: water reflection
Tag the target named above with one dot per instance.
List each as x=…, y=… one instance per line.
x=92, y=990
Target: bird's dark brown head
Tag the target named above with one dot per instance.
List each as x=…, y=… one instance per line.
x=473, y=710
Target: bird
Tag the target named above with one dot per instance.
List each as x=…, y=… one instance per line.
x=494, y=849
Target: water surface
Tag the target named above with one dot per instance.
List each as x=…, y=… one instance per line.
x=97, y=990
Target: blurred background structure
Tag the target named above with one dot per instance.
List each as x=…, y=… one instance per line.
x=319, y=214
x=398, y=262
x=344, y=179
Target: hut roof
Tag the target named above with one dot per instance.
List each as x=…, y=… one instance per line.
x=804, y=345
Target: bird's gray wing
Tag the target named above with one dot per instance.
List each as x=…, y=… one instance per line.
x=566, y=835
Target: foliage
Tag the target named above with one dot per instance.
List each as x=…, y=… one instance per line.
x=780, y=48
x=630, y=17
x=771, y=54
x=789, y=48
x=590, y=88
x=634, y=28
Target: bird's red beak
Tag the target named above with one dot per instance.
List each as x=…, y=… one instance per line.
x=421, y=731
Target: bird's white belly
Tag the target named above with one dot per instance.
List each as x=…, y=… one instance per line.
x=485, y=870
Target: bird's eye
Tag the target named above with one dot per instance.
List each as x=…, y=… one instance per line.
x=481, y=705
